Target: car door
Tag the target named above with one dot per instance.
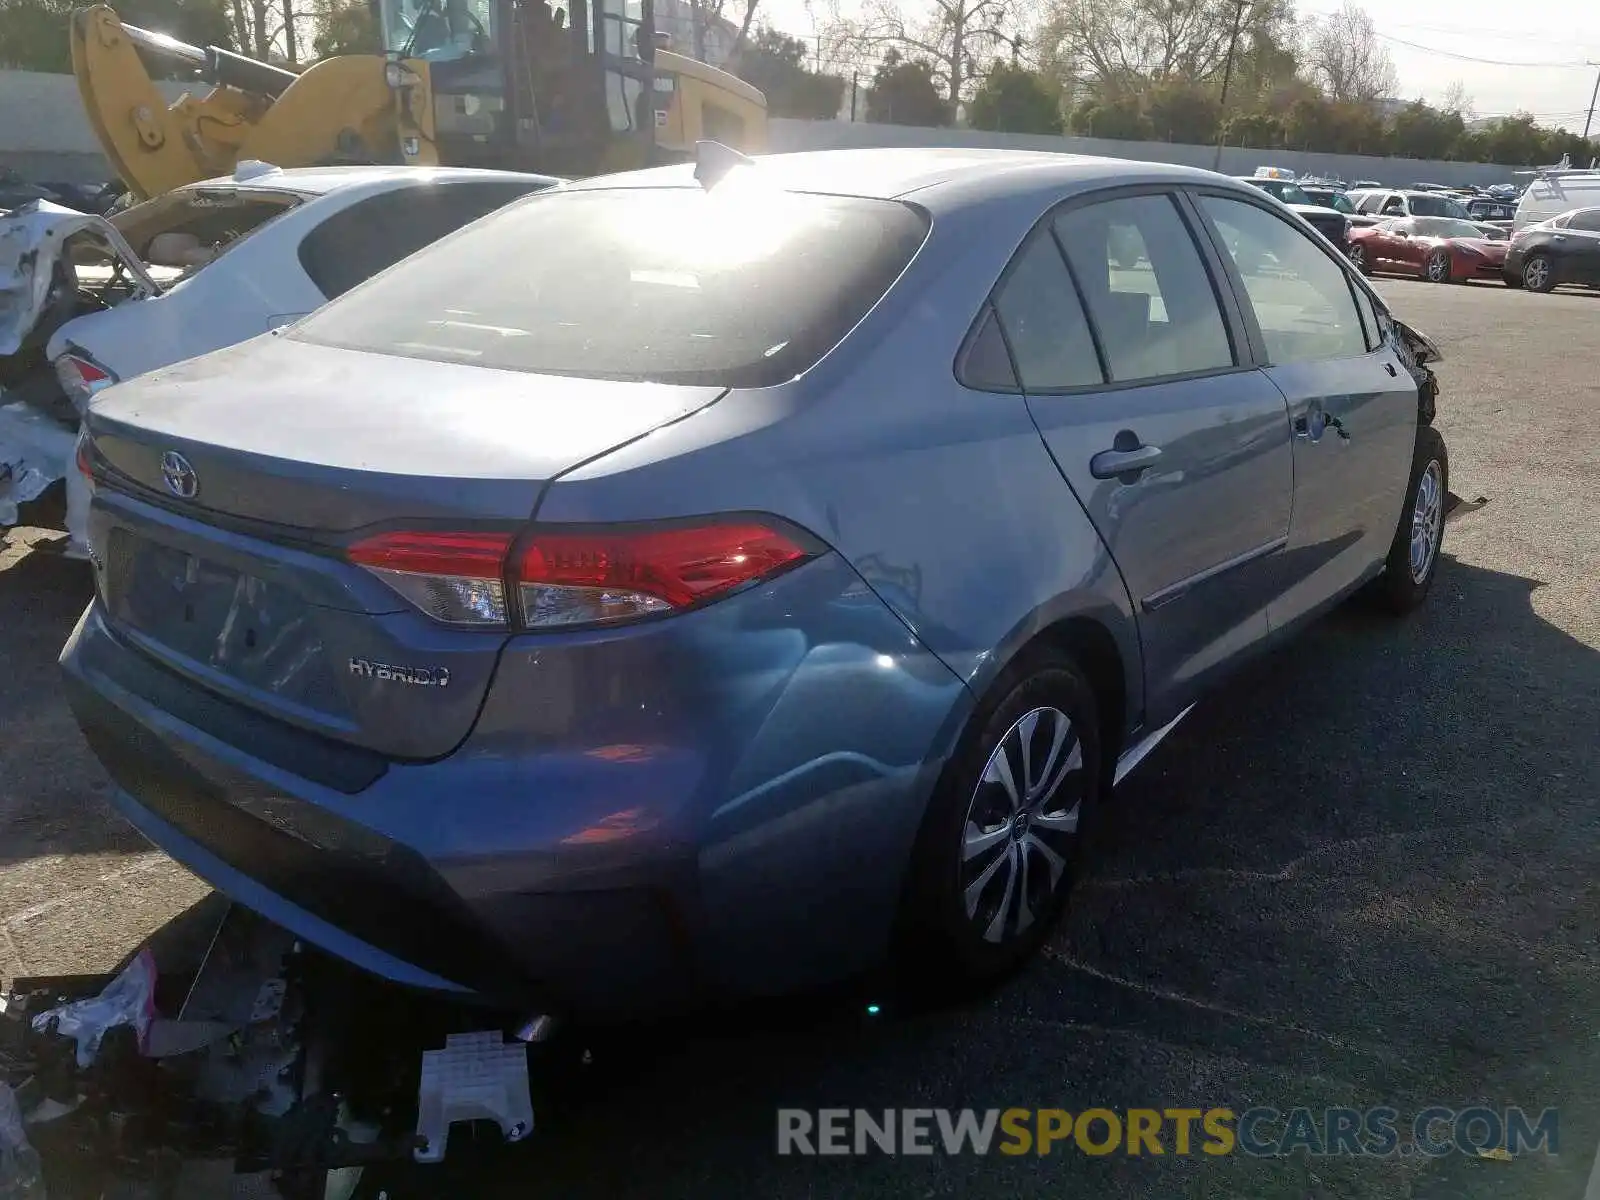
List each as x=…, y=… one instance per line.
x=1352, y=404
x=1407, y=250
x=1583, y=246
x=1136, y=374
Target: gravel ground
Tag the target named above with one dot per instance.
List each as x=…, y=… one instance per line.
x=1365, y=874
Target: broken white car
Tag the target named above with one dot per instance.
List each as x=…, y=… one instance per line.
x=87, y=301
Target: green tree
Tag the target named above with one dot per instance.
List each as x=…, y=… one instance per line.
x=34, y=33
x=1017, y=101
x=1183, y=111
x=1421, y=131
x=1119, y=117
x=904, y=93
x=1259, y=130
x=346, y=27
x=775, y=63
x=1515, y=141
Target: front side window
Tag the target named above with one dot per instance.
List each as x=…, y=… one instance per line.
x=1588, y=220
x=1147, y=288
x=1301, y=297
x=744, y=285
x=1370, y=203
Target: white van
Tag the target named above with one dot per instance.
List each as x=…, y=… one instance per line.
x=1553, y=192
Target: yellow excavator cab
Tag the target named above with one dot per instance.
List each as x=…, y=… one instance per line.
x=574, y=89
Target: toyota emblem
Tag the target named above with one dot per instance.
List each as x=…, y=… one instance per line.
x=179, y=476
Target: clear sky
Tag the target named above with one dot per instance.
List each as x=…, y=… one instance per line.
x=1538, y=48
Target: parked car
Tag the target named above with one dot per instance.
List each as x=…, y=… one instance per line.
x=1565, y=249
x=15, y=191
x=584, y=619
x=1438, y=249
x=86, y=301
x=1329, y=222
x=87, y=197
x=1391, y=203
x=1486, y=209
x=1327, y=197
x=1552, y=193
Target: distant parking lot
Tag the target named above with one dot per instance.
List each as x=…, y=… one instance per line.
x=1365, y=874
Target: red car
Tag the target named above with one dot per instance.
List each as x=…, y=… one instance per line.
x=1440, y=249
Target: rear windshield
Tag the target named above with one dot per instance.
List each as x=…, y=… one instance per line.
x=741, y=286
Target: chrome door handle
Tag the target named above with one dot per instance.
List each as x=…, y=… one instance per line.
x=1124, y=464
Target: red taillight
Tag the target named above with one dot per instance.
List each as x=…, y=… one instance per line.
x=80, y=378
x=84, y=458
x=569, y=579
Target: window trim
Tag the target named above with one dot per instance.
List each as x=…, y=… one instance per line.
x=1353, y=278
x=1234, y=324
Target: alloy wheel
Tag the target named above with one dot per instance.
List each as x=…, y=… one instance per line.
x=1536, y=274
x=1021, y=822
x=1438, y=268
x=1358, y=258
x=1427, y=521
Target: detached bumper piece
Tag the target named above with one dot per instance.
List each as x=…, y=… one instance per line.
x=279, y=1065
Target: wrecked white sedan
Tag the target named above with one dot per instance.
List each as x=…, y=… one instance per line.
x=86, y=301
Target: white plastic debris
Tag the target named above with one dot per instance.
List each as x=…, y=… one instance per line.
x=129, y=999
x=476, y=1077
x=21, y=1176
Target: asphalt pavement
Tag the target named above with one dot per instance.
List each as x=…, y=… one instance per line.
x=1365, y=874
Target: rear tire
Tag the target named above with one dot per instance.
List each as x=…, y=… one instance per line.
x=1419, y=537
x=1538, y=273
x=1002, y=841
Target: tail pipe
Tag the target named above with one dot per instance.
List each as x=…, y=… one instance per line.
x=216, y=65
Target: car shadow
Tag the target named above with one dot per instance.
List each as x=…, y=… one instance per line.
x=1350, y=877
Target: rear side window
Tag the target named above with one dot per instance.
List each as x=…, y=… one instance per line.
x=740, y=286
x=1147, y=288
x=1301, y=297
x=1044, y=321
x=371, y=235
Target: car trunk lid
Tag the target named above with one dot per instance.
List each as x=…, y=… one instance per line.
x=233, y=485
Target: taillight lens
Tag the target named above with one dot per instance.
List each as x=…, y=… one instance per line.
x=455, y=578
x=84, y=457
x=562, y=580
x=80, y=378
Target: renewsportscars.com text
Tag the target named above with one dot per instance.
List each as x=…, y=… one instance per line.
x=1258, y=1132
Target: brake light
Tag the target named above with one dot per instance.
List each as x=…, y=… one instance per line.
x=80, y=378
x=562, y=580
x=84, y=458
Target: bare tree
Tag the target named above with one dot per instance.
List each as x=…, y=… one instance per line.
x=1345, y=58
x=1114, y=42
x=1457, y=100
x=706, y=13
x=957, y=38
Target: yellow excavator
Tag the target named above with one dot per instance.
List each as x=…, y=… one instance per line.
x=575, y=88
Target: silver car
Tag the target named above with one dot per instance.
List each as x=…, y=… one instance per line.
x=709, y=581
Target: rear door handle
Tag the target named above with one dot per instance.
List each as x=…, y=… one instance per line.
x=1124, y=464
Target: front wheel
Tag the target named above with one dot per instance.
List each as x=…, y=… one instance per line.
x=1437, y=268
x=1358, y=259
x=1000, y=845
x=1414, y=554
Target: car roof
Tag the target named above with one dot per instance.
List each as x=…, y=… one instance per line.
x=317, y=181
x=937, y=176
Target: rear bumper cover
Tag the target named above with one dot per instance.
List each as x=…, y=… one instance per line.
x=722, y=803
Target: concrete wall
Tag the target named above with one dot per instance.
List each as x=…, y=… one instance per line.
x=829, y=135
x=43, y=134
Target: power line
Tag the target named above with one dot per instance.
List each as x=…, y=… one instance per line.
x=1493, y=62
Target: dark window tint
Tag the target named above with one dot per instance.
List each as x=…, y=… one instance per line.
x=1300, y=295
x=1146, y=287
x=1437, y=206
x=371, y=235
x=1587, y=220
x=740, y=286
x=985, y=364
x=1044, y=321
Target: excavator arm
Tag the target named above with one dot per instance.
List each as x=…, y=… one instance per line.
x=339, y=109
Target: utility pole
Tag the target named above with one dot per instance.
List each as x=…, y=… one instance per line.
x=1592, y=97
x=1227, y=77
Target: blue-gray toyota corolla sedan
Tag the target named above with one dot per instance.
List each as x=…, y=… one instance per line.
x=669, y=586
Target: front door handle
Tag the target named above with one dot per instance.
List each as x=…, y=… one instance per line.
x=1124, y=462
